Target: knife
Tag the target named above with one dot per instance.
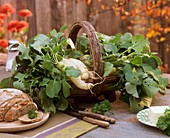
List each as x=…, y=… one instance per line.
x=91, y=120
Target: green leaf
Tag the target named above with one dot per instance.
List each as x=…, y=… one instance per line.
x=46, y=102
x=66, y=88
x=19, y=85
x=62, y=104
x=107, y=68
x=158, y=60
x=139, y=43
x=134, y=104
x=24, y=52
x=19, y=76
x=44, y=82
x=131, y=75
x=150, y=61
x=126, y=37
x=46, y=64
x=150, y=87
x=53, y=88
x=136, y=61
x=126, y=45
x=6, y=83
x=56, y=35
x=131, y=89
x=42, y=38
x=63, y=28
x=163, y=81
x=72, y=72
x=110, y=48
x=39, y=42
x=116, y=38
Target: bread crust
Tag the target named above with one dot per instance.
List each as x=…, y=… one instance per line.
x=10, y=93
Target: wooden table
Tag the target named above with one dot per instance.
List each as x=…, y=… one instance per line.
x=127, y=125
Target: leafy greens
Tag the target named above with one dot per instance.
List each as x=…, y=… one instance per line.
x=127, y=57
x=136, y=67
x=36, y=73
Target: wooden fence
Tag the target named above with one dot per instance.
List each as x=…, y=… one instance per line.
x=52, y=14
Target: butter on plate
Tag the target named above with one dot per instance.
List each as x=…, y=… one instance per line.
x=155, y=112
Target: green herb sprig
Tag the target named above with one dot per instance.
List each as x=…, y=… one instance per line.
x=32, y=114
x=102, y=107
x=164, y=122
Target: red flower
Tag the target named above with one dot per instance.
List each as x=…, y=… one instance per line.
x=12, y=26
x=3, y=43
x=3, y=16
x=22, y=25
x=25, y=13
x=7, y=9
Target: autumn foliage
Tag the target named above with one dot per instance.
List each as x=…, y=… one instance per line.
x=12, y=28
x=148, y=17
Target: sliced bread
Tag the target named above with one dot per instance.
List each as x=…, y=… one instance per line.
x=19, y=109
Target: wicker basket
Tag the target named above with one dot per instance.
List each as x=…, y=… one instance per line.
x=101, y=89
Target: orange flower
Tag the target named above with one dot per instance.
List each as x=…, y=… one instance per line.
x=12, y=26
x=25, y=13
x=22, y=25
x=3, y=43
x=7, y=9
x=2, y=32
x=3, y=16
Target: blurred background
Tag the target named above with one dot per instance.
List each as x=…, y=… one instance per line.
x=148, y=17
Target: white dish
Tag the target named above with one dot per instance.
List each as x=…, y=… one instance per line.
x=19, y=126
x=143, y=117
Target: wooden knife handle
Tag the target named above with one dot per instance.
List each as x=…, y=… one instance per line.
x=96, y=122
x=98, y=116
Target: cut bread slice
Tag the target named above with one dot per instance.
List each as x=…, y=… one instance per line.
x=7, y=106
x=19, y=109
x=26, y=119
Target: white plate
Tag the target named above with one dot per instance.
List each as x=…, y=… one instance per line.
x=19, y=126
x=143, y=117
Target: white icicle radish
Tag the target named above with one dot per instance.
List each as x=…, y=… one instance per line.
x=82, y=67
x=70, y=42
x=68, y=63
x=77, y=81
x=81, y=84
x=65, y=63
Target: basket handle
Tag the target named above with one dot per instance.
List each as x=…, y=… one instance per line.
x=94, y=43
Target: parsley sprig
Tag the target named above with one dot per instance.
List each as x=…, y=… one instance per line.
x=32, y=114
x=164, y=122
x=102, y=107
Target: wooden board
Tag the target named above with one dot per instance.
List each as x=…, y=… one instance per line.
x=19, y=126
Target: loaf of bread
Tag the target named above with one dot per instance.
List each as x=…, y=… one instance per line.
x=14, y=103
